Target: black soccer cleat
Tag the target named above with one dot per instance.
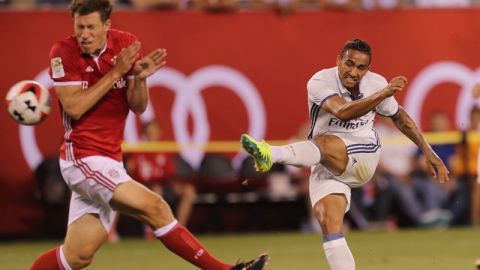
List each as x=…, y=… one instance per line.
x=255, y=264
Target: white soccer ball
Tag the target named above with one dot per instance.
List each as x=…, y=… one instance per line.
x=28, y=102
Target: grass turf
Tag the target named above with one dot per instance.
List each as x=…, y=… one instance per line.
x=453, y=249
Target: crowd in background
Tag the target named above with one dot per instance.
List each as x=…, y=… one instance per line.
x=282, y=6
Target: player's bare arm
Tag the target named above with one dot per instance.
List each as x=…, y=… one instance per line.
x=76, y=101
x=346, y=111
x=408, y=127
x=137, y=93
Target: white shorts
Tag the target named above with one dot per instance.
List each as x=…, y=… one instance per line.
x=363, y=157
x=92, y=181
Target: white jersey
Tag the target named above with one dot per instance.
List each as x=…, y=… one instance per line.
x=361, y=141
x=326, y=84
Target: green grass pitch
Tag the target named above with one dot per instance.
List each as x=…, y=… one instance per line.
x=453, y=249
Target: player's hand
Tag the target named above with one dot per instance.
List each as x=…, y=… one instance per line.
x=395, y=85
x=476, y=90
x=127, y=57
x=436, y=167
x=150, y=64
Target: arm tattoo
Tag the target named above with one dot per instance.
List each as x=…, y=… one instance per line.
x=408, y=127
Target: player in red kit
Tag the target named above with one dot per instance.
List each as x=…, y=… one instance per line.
x=99, y=76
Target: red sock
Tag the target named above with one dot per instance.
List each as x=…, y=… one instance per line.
x=181, y=242
x=49, y=260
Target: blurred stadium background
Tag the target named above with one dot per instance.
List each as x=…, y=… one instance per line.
x=236, y=67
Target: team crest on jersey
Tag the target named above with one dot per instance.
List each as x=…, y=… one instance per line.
x=57, y=67
x=113, y=173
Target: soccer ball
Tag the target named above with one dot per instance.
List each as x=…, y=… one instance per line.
x=28, y=102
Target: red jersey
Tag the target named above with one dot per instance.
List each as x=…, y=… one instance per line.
x=100, y=130
x=152, y=167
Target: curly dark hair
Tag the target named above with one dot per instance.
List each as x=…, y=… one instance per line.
x=358, y=45
x=85, y=7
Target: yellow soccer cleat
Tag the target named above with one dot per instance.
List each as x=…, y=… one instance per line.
x=260, y=151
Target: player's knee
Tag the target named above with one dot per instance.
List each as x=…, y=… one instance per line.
x=334, y=153
x=82, y=258
x=80, y=263
x=329, y=222
x=156, y=207
x=331, y=225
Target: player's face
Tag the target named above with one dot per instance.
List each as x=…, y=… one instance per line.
x=90, y=31
x=352, y=67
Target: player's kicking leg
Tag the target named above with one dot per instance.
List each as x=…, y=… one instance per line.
x=136, y=200
x=327, y=149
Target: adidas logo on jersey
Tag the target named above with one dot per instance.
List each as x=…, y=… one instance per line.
x=89, y=69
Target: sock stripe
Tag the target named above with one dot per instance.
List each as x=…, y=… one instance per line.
x=165, y=229
x=59, y=260
x=63, y=261
x=333, y=236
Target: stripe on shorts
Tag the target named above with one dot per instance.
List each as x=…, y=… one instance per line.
x=364, y=150
x=99, y=175
x=364, y=147
x=95, y=175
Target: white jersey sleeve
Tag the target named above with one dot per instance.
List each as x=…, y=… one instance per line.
x=320, y=88
x=389, y=106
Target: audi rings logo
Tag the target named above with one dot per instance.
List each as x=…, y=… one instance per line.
x=437, y=73
x=188, y=101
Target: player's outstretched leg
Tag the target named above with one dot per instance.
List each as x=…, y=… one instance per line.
x=256, y=264
x=260, y=151
x=302, y=154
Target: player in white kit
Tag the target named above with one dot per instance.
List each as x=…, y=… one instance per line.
x=343, y=148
